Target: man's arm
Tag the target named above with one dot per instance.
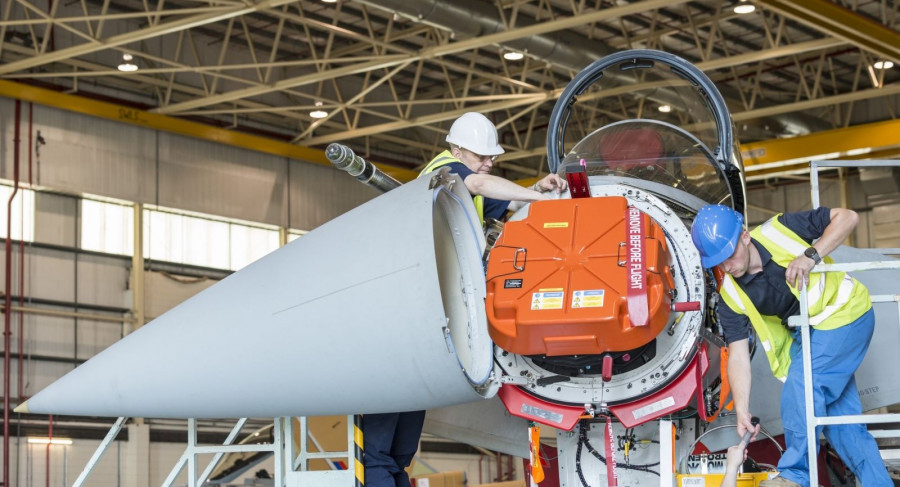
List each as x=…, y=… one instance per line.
x=739, y=378
x=550, y=182
x=501, y=189
x=733, y=461
x=843, y=222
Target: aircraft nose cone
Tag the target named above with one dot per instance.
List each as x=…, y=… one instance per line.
x=312, y=329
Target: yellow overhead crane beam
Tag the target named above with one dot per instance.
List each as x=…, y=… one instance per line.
x=96, y=108
x=874, y=140
x=879, y=140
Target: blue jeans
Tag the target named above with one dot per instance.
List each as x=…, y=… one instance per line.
x=836, y=354
x=390, y=442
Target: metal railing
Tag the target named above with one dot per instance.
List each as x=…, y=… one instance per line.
x=813, y=421
x=291, y=467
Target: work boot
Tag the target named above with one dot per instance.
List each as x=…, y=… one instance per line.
x=778, y=482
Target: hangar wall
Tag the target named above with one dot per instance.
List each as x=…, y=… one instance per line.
x=84, y=155
x=88, y=155
x=91, y=156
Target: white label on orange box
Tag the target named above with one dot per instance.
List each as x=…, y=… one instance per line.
x=588, y=298
x=547, y=300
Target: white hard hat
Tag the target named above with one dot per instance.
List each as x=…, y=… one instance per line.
x=473, y=131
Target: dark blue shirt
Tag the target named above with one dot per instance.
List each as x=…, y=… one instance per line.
x=495, y=209
x=768, y=289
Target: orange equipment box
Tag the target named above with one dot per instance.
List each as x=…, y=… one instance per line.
x=578, y=276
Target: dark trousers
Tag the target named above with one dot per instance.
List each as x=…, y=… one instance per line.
x=390, y=442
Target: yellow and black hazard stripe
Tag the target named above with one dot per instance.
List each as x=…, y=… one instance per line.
x=358, y=466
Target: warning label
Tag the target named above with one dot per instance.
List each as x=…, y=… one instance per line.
x=556, y=225
x=547, y=300
x=588, y=298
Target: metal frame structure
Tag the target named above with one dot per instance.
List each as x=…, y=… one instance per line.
x=391, y=75
x=802, y=320
x=291, y=469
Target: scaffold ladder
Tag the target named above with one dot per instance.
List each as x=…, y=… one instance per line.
x=802, y=320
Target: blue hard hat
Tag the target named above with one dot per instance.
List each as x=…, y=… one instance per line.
x=715, y=232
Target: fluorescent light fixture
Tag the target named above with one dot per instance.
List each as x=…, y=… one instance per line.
x=883, y=64
x=127, y=66
x=318, y=112
x=744, y=7
x=49, y=441
x=513, y=55
x=859, y=152
x=329, y=1
x=874, y=77
x=665, y=108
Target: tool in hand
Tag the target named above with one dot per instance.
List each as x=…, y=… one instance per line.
x=748, y=434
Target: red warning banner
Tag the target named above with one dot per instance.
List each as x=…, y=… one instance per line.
x=638, y=312
x=612, y=475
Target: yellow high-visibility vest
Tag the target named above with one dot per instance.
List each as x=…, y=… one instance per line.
x=445, y=158
x=834, y=299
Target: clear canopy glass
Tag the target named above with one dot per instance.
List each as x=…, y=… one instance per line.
x=652, y=120
x=656, y=156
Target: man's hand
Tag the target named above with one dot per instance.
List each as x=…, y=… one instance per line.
x=735, y=458
x=745, y=424
x=797, y=271
x=551, y=182
x=843, y=221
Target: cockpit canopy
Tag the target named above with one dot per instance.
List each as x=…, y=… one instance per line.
x=672, y=130
x=656, y=156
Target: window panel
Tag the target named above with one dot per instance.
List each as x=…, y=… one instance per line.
x=22, y=213
x=250, y=243
x=206, y=242
x=163, y=236
x=107, y=227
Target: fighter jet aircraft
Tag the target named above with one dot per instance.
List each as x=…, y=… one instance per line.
x=588, y=309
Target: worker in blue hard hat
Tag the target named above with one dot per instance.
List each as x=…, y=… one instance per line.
x=764, y=268
x=474, y=147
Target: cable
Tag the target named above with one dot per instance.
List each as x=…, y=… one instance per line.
x=584, y=442
x=578, y=457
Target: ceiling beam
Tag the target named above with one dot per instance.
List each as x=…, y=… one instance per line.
x=432, y=118
x=737, y=60
x=214, y=15
x=770, y=53
x=358, y=68
x=835, y=20
x=430, y=52
x=805, y=105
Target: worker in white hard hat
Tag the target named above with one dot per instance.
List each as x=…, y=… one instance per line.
x=473, y=150
x=390, y=440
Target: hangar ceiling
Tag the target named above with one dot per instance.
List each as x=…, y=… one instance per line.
x=392, y=75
